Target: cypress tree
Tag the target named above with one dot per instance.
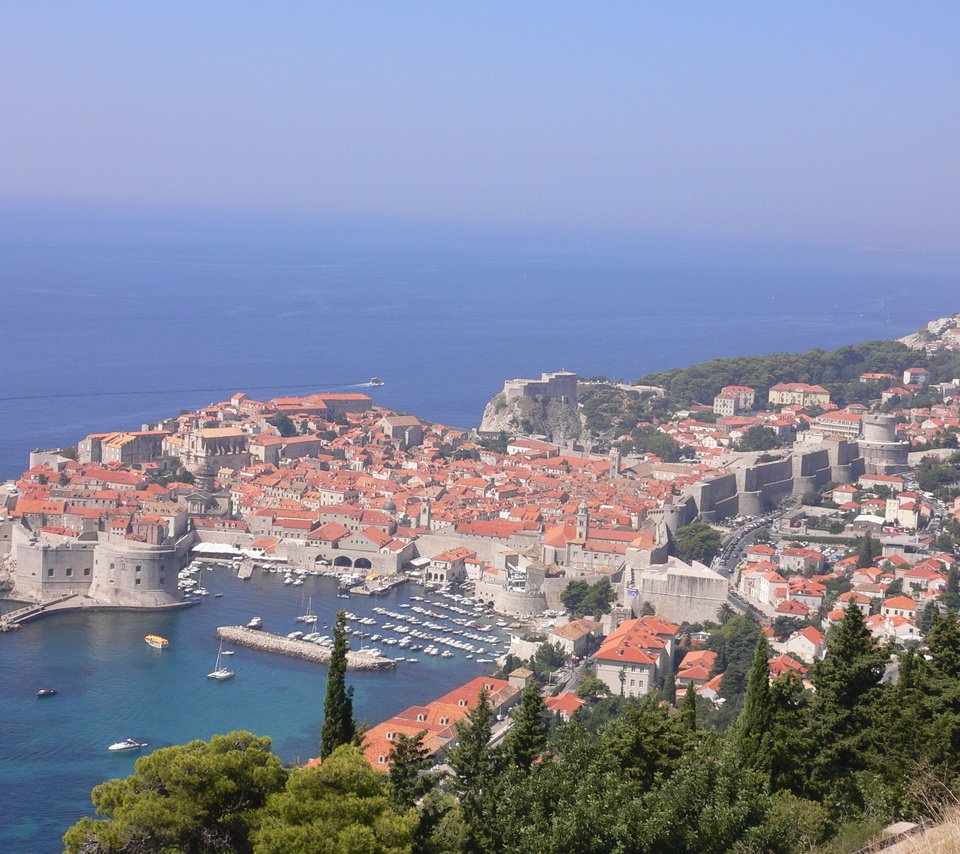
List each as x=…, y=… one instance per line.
x=687, y=716
x=338, y=725
x=751, y=738
x=528, y=737
x=670, y=688
x=865, y=558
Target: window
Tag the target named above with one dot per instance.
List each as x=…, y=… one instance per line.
x=69, y=572
x=138, y=569
x=50, y=573
x=421, y=717
x=137, y=581
x=86, y=570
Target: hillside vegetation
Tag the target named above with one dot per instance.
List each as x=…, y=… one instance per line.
x=837, y=370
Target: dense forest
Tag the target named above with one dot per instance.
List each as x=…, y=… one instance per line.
x=782, y=769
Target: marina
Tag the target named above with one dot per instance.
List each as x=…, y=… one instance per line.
x=110, y=682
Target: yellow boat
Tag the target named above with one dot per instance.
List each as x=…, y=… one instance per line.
x=157, y=642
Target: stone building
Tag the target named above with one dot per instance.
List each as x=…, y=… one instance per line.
x=560, y=385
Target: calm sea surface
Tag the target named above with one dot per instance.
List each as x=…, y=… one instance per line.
x=94, y=312
x=112, y=686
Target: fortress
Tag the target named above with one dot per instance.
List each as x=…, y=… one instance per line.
x=560, y=385
x=106, y=568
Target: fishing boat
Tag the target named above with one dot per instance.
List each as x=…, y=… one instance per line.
x=46, y=692
x=127, y=744
x=157, y=642
x=221, y=671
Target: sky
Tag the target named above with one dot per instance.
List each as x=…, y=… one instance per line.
x=813, y=123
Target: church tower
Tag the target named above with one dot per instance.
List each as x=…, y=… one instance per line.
x=583, y=521
x=615, y=460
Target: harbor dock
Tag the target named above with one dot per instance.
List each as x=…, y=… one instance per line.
x=305, y=650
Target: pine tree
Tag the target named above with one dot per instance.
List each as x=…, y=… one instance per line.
x=338, y=725
x=751, y=736
x=846, y=708
x=409, y=759
x=528, y=737
x=472, y=762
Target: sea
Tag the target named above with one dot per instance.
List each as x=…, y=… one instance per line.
x=110, y=321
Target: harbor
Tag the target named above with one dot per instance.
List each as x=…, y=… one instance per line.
x=111, y=685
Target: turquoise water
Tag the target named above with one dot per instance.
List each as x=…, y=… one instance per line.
x=112, y=685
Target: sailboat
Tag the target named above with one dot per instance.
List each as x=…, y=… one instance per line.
x=309, y=617
x=221, y=671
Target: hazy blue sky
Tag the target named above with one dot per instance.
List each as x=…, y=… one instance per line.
x=812, y=122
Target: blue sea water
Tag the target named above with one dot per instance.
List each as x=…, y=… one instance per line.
x=111, y=686
x=99, y=308
x=444, y=322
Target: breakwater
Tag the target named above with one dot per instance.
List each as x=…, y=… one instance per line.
x=305, y=650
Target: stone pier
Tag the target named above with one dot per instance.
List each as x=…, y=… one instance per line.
x=305, y=650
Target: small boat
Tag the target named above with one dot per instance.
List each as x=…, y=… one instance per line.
x=309, y=616
x=255, y=623
x=220, y=671
x=157, y=642
x=217, y=595
x=375, y=381
x=127, y=744
x=228, y=652
x=46, y=692
x=295, y=636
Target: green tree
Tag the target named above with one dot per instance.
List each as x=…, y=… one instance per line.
x=697, y=541
x=865, y=555
x=687, y=714
x=645, y=741
x=284, y=424
x=845, y=707
x=527, y=738
x=338, y=724
x=951, y=594
x=189, y=799
x=573, y=595
x=409, y=762
x=592, y=688
x=751, y=734
x=342, y=805
x=725, y=613
x=926, y=617
x=473, y=763
x=581, y=599
x=758, y=438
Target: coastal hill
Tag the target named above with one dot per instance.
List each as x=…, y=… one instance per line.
x=603, y=411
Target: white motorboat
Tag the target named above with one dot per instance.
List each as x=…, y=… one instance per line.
x=127, y=744
x=255, y=623
x=221, y=671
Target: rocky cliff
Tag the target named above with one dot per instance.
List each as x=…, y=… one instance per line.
x=533, y=416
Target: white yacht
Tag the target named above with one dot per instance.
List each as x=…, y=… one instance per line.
x=127, y=744
x=255, y=623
